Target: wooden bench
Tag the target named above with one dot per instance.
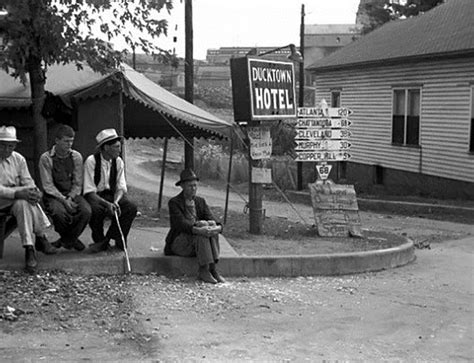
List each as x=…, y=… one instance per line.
x=7, y=226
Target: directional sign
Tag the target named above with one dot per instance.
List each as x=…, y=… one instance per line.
x=322, y=156
x=323, y=112
x=322, y=134
x=323, y=122
x=305, y=145
x=323, y=170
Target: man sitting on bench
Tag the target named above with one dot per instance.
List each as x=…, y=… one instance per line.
x=61, y=175
x=20, y=197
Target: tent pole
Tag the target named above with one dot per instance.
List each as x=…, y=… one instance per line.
x=231, y=153
x=163, y=167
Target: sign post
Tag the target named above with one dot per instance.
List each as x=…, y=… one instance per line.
x=322, y=136
x=262, y=90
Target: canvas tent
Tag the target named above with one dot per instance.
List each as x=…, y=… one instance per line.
x=123, y=99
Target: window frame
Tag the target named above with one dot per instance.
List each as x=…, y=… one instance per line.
x=407, y=89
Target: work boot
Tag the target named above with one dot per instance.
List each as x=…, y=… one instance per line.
x=98, y=246
x=57, y=244
x=78, y=245
x=30, y=259
x=217, y=276
x=205, y=275
x=119, y=244
x=44, y=246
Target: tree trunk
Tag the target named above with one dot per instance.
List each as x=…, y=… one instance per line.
x=37, y=83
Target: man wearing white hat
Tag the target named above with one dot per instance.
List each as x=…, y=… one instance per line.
x=105, y=189
x=20, y=197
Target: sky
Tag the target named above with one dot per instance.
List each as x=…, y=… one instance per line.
x=274, y=23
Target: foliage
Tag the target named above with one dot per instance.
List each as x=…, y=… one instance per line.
x=381, y=12
x=63, y=31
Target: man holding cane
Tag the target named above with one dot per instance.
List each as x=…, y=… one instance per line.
x=20, y=197
x=105, y=189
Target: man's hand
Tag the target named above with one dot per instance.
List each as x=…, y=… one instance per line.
x=70, y=205
x=31, y=195
x=113, y=208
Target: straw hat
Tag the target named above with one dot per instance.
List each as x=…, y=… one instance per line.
x=186, y=175
x=106, y=135
x=8, y=133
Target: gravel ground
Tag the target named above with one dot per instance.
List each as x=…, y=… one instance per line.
x=421, y=312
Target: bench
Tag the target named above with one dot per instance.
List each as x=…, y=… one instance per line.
x=7, y=226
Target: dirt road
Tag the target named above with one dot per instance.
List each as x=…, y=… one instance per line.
x=421, y=312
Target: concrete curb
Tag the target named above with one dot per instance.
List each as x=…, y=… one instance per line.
x=286, y=266
x=248, y=266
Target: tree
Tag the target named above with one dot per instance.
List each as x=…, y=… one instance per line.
x=379, y=12
x=39, y=33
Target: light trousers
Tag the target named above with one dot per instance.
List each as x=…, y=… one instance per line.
x=31, y=221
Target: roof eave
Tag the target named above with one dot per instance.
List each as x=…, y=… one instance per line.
x=392, y=61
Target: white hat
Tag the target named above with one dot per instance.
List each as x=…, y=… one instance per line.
x=106, y=135
x=8, y=133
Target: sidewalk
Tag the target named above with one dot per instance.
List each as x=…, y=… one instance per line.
x=146, y=256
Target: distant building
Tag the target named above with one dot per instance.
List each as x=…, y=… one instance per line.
x=224, y=54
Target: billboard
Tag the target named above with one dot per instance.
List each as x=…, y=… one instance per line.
x=263, y=89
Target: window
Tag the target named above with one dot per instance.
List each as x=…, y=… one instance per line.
x=471, y=140
x=335, y=98
x=406, y=116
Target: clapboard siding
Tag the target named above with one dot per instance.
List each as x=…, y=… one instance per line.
x=444, y=119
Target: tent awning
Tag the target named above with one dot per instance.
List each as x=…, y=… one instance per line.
x=151, y=111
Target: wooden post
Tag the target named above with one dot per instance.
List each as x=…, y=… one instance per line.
x=229, y=173
x=163, y=167
x=255, y=196
x=299, y=165
x=188, y=77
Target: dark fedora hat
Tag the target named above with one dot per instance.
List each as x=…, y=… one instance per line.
x=186, y=175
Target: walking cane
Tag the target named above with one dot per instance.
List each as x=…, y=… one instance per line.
x=123, y=242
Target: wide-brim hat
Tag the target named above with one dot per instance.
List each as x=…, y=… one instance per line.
x=186, y=175
x=8, y=133
x=106, y=135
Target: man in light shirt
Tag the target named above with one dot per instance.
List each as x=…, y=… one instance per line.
x=105, y=189
x=61, y=173
x=20, y=197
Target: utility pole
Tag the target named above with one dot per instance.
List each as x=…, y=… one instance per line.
x=299, y=164
x=188, y=77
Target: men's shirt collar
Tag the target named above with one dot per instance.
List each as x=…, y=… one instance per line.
x=52, y=152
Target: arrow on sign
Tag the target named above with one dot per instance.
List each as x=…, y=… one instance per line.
x=322, y=156
x=305, y=145
x=323, y=122
x=322, y=134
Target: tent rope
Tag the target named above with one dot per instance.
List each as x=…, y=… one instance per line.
x=192, y=146
x=246, y=145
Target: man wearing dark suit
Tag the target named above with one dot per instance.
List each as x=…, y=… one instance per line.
x=194, y=231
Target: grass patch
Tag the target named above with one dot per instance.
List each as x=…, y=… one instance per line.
x=279, y=237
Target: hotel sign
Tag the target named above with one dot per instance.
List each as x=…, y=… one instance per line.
x=263, y=89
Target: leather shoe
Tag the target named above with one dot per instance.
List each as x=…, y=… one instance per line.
x=42, y=245
x=217, y=277
x=78, y=245
x=98, y=246
x=205, y=275
x=57, y=244
x=30, y=259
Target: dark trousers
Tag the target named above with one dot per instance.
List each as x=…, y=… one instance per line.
x=68, y=225
x=99, y=212
x=206, y=249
